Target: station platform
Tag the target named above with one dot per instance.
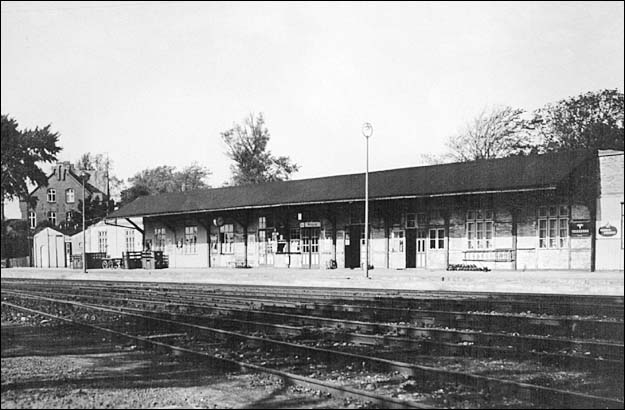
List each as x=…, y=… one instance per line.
x=547, y=282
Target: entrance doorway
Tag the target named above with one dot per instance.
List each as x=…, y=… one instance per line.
x=420, y=249
x=352, y=246
x=262, y=248
x=68, y=254
x=411, y=248
x=310, y=248
x=397, y=249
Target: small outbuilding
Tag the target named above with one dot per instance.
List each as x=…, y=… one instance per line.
x=51, y=249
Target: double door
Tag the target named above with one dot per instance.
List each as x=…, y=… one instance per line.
x=310, y=247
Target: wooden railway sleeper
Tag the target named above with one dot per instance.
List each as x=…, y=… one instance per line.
x=536, y=394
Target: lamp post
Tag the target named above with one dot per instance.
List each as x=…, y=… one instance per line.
x=84, y=176
x=367, y=131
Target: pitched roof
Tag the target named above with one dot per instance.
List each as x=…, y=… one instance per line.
x=88, y=186
x=504, y=174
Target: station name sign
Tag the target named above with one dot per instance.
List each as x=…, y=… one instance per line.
x=579, y=228
x=607, y=230
x=316, y=224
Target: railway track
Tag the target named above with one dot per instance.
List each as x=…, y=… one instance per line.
x=328, y=337
x=495, y=386
x=553, y=304
x=533, y=324
x=593, y=354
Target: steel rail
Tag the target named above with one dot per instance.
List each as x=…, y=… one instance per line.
x=602, y=329
x=337, y=390
x=442, y=336
x=575, y=361
x=534, y=393
x=590, y=301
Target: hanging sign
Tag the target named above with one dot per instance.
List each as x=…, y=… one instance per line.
x=579, y=228
x=607, y=230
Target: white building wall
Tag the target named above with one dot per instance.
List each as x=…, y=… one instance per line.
x=115, y=239
x=609, y=249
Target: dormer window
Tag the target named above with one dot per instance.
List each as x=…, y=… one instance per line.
x=70, y=196
x=51, y=195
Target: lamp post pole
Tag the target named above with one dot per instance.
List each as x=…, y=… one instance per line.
x=84, y=235
x=367, y=131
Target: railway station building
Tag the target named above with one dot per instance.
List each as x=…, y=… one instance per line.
x=553, y=211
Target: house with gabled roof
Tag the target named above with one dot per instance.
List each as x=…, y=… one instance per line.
x=59, y=200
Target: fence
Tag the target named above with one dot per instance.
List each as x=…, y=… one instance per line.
x=22, y=262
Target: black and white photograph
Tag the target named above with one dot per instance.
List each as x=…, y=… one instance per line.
x=297, y=205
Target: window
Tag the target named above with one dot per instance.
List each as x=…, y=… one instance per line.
x=295, y=240
x=102, y=242
x=130, y=240
x=32, y=219
x=397, y=241
x=190, y=239
x=51, y=195
x=411, y=220
x=553, y=226
x=68, y=216
x=159, y=239
x=437, y=239
x=69, y=196
x=480, y=229
x=421, y=220
x=226, y=238
x=52, y=217
x=262, y=222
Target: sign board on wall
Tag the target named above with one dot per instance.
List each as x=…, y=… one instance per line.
x=310, y=224
x=607, y=230
x=579, y=229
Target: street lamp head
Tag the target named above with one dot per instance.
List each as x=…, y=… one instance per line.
x=367, y=130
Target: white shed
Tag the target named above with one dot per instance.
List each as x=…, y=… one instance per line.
x=49, y=249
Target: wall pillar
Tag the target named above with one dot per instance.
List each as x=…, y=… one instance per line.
x=446, y=219
x=513, y=212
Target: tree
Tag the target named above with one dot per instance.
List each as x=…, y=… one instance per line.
x=495, y=133
x=425, y=159
x=593, y=120
x=21, y=151
x=253, y=163
x=191, y=178
x=104, y=166
x=165, y=178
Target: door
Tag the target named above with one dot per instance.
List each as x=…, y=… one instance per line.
x=420, y=251
x=352, y=247
x=68, y=254
x=398, y=249
x=411, y=248
x=262, y=248
x=310, y=248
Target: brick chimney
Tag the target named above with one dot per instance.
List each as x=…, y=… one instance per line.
x=61, y=169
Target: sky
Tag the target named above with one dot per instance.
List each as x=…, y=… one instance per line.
x=155, y=83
